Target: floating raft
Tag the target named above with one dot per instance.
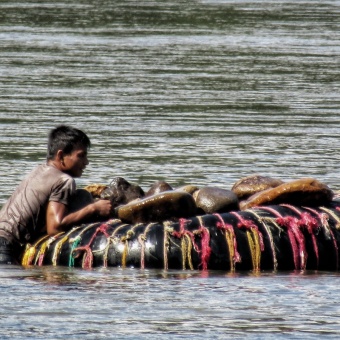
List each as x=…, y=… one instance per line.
x=276, y=237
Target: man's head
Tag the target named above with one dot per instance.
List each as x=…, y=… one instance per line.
x=67, y=139
x=67, y=150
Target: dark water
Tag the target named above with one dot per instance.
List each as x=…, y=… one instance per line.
x=200, y=92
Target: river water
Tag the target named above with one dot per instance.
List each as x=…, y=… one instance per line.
x=191, y=92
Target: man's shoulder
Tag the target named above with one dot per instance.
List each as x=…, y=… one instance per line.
x=49, y=170
x=48, y=175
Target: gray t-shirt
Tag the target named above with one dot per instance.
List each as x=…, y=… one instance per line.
x=23, y=217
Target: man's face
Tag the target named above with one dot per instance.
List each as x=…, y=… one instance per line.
x=75, y=162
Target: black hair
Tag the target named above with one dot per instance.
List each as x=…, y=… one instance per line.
x=65, y=138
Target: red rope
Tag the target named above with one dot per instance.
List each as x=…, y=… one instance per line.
x=249, y=224
x=205, y=240
x=308, y=222
x=323, y=217
x=294, y=234
x=205, y=248
x=88, y=256
x=293, y=226
x=182, y=231
x=229, y=228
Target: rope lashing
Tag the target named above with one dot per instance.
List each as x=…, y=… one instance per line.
x=110, y=239
x=125, y=239
x=88, y=255
x=59, y=244
x=75, y=241
x=334, y=216
x=323, y=217
x=295, y=235
x=308, y=222
x=264, y=221
x=41, y=253
x=142, y=239
x=255, y=254
x=187, y=242
x=228, y=229
x=30, y=251
x=254, y=237
x=205, y=240
x=167, y=229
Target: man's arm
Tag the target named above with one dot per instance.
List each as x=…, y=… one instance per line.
x=58, y=219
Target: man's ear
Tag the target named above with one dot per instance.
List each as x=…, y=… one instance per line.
x=60, y=156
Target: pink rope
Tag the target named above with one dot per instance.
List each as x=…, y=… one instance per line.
x=205, y=248
x=229, y=228
x=310, y=223
x=295, y=236
x=323, y=217
x=182, y=231
x=88, y=259
x=249, y=224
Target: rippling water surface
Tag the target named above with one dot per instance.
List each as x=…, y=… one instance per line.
x=200, y=92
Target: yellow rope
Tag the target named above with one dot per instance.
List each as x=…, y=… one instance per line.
x=189, y=248
x=184, y=251
x=251, y=247
x=230, y=237
x=125, y=253
x=44, y=246
x=141, y=239
x=30, y=251
x=166, y=244
x=230, y=243
x=110, y=240
x=263, y=221
x=254, y=247
x=28, y=255
x=59, y=244
x=106, y=249
x=257, y=247
x=130, y=233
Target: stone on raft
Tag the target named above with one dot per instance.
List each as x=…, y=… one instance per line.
x=253, y=184
x=120, y=191
x=158, y=187
x=302, y=192
x=215, y=200
x=164, y=206
x=189, y=188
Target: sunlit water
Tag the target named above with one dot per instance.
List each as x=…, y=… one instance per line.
x=200, y=92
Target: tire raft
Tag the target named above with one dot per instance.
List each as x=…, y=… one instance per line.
x=276, y=237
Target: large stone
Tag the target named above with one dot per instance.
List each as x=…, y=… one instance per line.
x=212, y=199
x=164, y=206
x=302, y=192
x=253, y=184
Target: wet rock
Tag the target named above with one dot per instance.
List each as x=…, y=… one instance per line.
x=250, y=185
x=302, y=192
x=158, y=187
x=215, y=200
x=120, y=192
x=167, y=205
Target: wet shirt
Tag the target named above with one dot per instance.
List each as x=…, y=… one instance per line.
x=23, y=217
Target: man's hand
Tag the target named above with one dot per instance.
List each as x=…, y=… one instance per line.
x=102, y=207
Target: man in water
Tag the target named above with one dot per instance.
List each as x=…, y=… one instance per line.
x=41, y=204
